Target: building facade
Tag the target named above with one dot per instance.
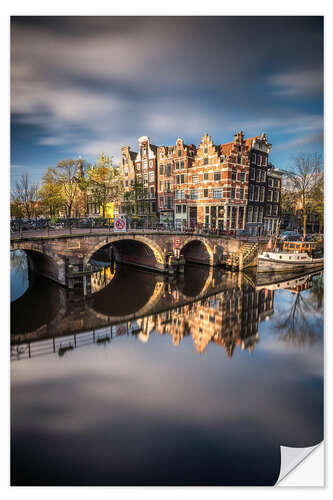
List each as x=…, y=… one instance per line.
x=229, y=186
x=146, y=174
x=218, y=185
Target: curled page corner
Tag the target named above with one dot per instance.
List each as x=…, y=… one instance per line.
x=291, y=458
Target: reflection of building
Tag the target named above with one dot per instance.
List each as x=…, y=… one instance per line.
x=227, y=319
x=102, y=278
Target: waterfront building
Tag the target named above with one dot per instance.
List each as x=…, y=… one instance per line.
x=218, y=185
x=165, y=191
x=229, y=186
x=273, y=199
x=146, y=173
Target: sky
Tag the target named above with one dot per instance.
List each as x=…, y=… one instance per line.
x=85, y=85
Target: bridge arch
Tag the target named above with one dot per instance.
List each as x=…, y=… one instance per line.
x=154, y=258
x=197, y=249
x=43, y=260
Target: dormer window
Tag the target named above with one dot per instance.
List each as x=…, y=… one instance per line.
x=206, y=151
x=179, y=153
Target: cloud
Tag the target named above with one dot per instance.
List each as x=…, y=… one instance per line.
x=301, y=83
x=81, y=83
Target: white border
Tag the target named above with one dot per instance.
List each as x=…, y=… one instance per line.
x=172, y=7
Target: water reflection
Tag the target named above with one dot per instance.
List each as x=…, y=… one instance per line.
x=162, y=381
x=19, y=274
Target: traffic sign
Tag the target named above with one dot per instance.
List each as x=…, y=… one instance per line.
x=120, y=224
x=177, y=243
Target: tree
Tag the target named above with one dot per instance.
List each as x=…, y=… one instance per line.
x=305, y=179
x=51, y=193
x=64, y=175
x=103, y=183
x=25, y=194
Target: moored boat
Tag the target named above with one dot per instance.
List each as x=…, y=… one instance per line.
x=285, y=261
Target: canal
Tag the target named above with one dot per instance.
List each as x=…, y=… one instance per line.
x=157, y=380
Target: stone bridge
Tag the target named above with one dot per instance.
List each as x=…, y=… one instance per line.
x=60, y=257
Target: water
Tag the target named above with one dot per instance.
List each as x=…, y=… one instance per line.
x=151, y=381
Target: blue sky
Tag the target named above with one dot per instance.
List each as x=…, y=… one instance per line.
x=86, y=85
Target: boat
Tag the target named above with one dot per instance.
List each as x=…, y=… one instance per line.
x=295, y=256
x=291, y=281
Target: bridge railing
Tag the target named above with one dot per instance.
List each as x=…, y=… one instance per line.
x=62, y=226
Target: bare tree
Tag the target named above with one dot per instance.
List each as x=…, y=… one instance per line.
x=305, y=178
x=25, y=194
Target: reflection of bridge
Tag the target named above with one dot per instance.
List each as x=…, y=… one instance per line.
x=224, y=311
x=62, y=256
x=63, y=312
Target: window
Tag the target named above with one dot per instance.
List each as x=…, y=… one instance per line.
x=206, y=176
x=205, y=161
x=270, y=181
x=251, y=192
x=151, y=176
x=275, y=210
x=233, y=175
x=195, y=179
x=242, y=176
x=145, y=164
x=152, y=192
x=269, y=210
x=161, y=202
x=161, y=169
x=206, y=151
x=254, y=158
x=262, y=193
x=269, y=195
x=179, y=153
x=182, y=179
x=249, y=214
x=276, y=183
x=239, y=159
x=145, y=178
x=194, y=194
x=151, y=163
x=255, y=214
x=182, y=164
x=258, y=159
x=184, y=209
x=217, y=176
x=168, y=202
x=241, y=194
x=161, y=185
x=205, y=193
x=263, y=176
x=217, y=193
x=177, y=179
x=232, y=193
x=264, y=160
x=126, y=183
x=168, y=170
x=207, y=209
x=258, y=175
x=275, y=196
x=176, y=165
x=261, y=213
x=256, y=196
x=178, y=209
x=252, y=173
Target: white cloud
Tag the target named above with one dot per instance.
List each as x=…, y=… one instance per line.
x=305, y=82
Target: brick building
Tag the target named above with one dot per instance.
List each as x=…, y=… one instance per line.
x=218, y=184
x=273, y=199
x=146, y=172
x=229, y=186
x=264, y=188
